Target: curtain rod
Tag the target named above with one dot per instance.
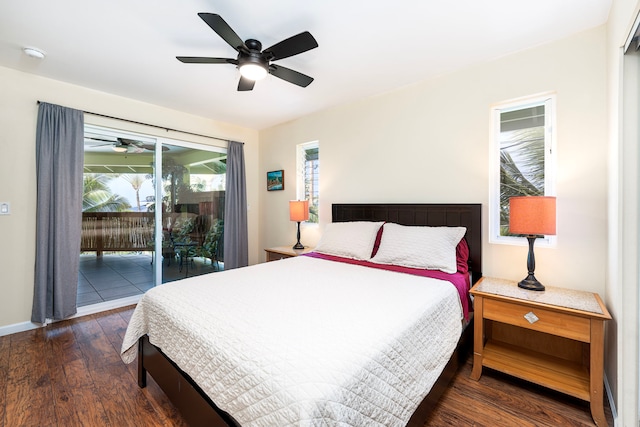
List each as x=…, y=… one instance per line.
x=154, y=126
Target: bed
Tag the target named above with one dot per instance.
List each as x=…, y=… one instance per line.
x=344, y=363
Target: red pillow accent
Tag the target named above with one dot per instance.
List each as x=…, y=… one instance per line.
x=462, y=256
x=376, y=244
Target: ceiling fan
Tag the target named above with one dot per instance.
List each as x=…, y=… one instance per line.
x=125, y=145
x=253, y=62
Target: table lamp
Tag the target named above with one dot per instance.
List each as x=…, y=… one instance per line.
x=532, y=216
x=298, y=211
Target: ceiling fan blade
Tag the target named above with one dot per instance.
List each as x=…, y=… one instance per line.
x=205, y=60
x=292, y=46
x=152, y=147
x=99, y=139
x=132, y=145
x=135, y=149
x=107, y=141
x=136, y=146
x=223, y=29
x=290, y=75
x=127, y=141
x=245, y=84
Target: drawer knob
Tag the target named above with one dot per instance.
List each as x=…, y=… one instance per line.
x=531, y=317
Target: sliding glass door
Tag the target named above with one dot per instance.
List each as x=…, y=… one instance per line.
x=152, y=212
x=191, y=210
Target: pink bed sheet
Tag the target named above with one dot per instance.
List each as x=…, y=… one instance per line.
x=460, y=280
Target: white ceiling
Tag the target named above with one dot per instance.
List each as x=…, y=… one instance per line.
x=128, y=48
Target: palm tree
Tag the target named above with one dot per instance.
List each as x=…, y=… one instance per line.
x=136, y=180
x=173, y=175
x=524, y=175
x=97, y=197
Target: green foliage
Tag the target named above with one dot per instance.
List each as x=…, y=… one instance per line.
x=182, y=230
x=212, y=246
x=173, y=175
x=313, y=213
x=97, y=197
x=207, y=238
x=524, y=177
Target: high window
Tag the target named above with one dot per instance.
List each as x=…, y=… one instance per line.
x=522, y=158
x=308, y=176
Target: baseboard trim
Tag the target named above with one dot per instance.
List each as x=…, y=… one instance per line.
x=106, y=306
x=82, y=311
x=18, y=327
x=612, y=403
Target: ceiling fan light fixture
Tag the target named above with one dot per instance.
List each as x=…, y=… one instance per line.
x=120, y=148
x=253, y=62
x=253, y=71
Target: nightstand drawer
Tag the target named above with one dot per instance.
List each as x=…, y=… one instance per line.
x=275, y=256
x=282, y=252
x=560, y=324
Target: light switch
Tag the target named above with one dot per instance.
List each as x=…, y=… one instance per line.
x=5, y=208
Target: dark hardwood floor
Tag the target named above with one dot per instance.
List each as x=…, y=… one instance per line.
x=70, y=374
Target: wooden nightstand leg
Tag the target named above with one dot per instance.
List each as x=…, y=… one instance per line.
x=478, y=338
x=596, y=372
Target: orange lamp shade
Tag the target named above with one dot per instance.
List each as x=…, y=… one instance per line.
x=299, y=210
x=532, y=215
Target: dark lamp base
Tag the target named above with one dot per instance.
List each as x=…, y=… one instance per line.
x=531, y=283
x=298, y=245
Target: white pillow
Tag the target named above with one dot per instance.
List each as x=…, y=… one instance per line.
x=431, y=248
x=349, y=239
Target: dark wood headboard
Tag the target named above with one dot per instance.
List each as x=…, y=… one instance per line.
x=435, y=215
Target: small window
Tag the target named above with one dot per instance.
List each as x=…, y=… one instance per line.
x=308, y=176
x=522, y=158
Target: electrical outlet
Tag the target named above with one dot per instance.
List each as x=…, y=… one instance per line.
x=5, y=208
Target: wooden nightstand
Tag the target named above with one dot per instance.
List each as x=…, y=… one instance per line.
x=281, y=252
x=553, y=338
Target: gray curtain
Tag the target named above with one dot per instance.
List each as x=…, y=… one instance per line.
x=59, y=163
x=236, y=239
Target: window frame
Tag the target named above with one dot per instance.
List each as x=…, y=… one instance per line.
x=301, y=149
x=550, y=162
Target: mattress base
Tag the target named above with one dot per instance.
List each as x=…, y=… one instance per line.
x=199, y=410
x=191, y=401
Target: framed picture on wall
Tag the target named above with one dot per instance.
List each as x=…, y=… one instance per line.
x=275, y=180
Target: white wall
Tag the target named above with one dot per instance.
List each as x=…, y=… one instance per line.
x=430, y=143
x=622, y=274
x=18, y=115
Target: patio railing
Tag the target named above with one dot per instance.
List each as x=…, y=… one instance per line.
x=117, y=231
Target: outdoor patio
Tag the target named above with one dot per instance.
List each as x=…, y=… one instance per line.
x=115, y=275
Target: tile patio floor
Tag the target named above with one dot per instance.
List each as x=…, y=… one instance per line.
x=118, y=275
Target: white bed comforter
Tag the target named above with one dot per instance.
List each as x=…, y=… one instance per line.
x=305, y=341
